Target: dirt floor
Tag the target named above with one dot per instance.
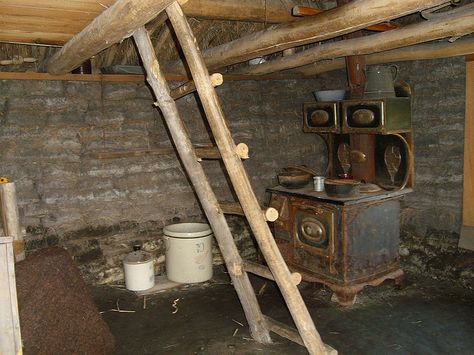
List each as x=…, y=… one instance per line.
x=422, y=317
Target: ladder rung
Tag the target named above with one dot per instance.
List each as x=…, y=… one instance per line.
x=190, y=86
x=283, y=330
x=265, y=272
x=290, y=333
x=207, y=152
x=270, y=213
x=212, y=152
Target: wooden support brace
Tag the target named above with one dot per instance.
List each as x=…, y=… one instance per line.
x=265, y=272
x=189, y=87
x=270, y=213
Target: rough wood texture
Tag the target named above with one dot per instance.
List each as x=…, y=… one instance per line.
x=265, y=272
x=114, y=24
x=241, y=183
x=189, y=87
x=270, y=213
x=57, y=313
x=270, y=11
x=11, y=219
x=467, y=236
x=457, y=24
x=10, y=337
x=329, y=24
x=201, y=185
x=416, y=52
x=302, y=11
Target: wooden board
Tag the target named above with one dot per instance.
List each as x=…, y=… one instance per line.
x=46, y=21
x=467, y=235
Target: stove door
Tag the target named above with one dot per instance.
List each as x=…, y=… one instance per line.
x=314, y=230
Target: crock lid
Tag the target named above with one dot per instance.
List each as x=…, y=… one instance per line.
x=187, y=230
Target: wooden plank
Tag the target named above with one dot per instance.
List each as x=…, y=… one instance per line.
x=458, y=23
x=11, y=218
x=302, y=11
x=113, y=25
x=10, y=336
x=329, y=24
x=241, y=182
x=417, y=52
x=69, y=5
x=467, y=235
x=201, y=185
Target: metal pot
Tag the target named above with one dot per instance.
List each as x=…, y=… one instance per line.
x=342, y=187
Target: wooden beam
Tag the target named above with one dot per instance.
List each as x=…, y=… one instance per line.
x=269, y=11
x=113, y=25
x=329, y=24
x=434, y=50
x=457, y=24
x=302, y=11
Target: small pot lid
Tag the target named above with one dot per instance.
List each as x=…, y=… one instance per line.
x=137, y=257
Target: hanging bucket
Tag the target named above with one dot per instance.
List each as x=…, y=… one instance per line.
x=188, y=252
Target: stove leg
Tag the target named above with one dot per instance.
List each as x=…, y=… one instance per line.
x=344, y=298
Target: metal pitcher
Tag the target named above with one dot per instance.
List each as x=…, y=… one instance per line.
x=379, y=81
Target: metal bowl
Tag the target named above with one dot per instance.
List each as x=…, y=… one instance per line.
x=330, y=95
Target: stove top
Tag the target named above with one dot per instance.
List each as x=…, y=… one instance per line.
x=308, y=192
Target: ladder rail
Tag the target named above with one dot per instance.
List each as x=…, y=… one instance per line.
x=179, y=134
x=241, y=183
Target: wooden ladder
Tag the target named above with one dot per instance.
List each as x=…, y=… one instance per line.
x=232, y=155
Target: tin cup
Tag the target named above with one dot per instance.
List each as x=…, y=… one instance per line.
x=318, y=183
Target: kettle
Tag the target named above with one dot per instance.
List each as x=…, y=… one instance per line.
x=379, y=81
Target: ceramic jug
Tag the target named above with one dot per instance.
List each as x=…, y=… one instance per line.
x=379, y=80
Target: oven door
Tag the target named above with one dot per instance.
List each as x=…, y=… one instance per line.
x=314, y=231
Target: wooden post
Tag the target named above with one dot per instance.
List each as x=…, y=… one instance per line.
x=201, y=185
x=10, y=337
x=11, y=219
x=241, y=183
